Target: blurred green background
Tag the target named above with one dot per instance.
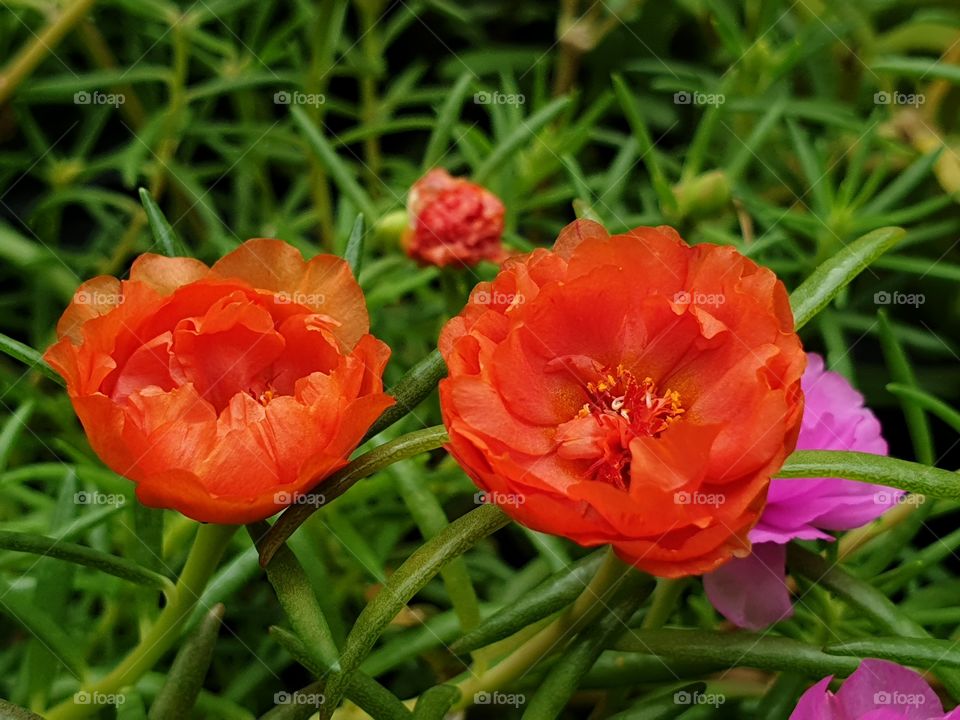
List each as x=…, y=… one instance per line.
x=785, y=128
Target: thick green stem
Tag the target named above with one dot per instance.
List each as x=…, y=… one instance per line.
x=455, y=290
x=874, y=469
x=428, y=514
x=412, y=389
x=664, y=601
x=208, y=547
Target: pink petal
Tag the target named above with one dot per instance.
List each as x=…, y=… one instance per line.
x=815, y=704
x=834, y=418
x=751, y=592
x=877, y=690
x=880, y=684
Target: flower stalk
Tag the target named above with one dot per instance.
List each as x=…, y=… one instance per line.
x=208, y=547
x=552, y=637
x=401, y=448
x=21, y=66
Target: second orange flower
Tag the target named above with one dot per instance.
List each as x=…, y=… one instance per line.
x=628, y=390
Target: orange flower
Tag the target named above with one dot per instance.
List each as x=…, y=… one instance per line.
x=453, y=221
x=629, y=390
x=223, y=392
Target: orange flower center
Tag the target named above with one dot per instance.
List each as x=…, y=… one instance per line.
x=645, y=411
x=265, y=397
x=622, y=408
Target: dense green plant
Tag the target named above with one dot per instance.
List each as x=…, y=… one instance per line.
x=800, y=133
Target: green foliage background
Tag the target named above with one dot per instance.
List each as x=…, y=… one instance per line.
x=836, y=119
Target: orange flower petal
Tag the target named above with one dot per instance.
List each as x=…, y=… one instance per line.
x=166, y=274
x=574, y=234
x=95, y=297
x=324, y=284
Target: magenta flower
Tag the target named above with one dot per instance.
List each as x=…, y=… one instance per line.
x=877, y=690
x=751, y=592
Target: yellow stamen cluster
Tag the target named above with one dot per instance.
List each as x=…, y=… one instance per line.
x=622, y=395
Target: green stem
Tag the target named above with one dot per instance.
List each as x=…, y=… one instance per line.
x=740, y=649
x=412, y=389
x=875, y=469
x=428, y=514
x=335, y=485
x=370, y=104
x=208, y=547
x=568, y=62
x=550, y=638
x=42, y=45
x=664, y=601
x=28, y=356
x=454, y=293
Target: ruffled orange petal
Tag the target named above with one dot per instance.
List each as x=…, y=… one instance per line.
x=164, y=430
x=95, y=297
x=325, y=284
x=576, y=233
x=227, y=350
x=166, y=274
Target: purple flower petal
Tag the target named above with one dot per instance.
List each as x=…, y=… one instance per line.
x=880, y=684
x=751, y=592
x=815, y=703
x=877, y=690
x=834, y=418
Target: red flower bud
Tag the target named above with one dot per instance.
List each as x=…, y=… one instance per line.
x=453, y=221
